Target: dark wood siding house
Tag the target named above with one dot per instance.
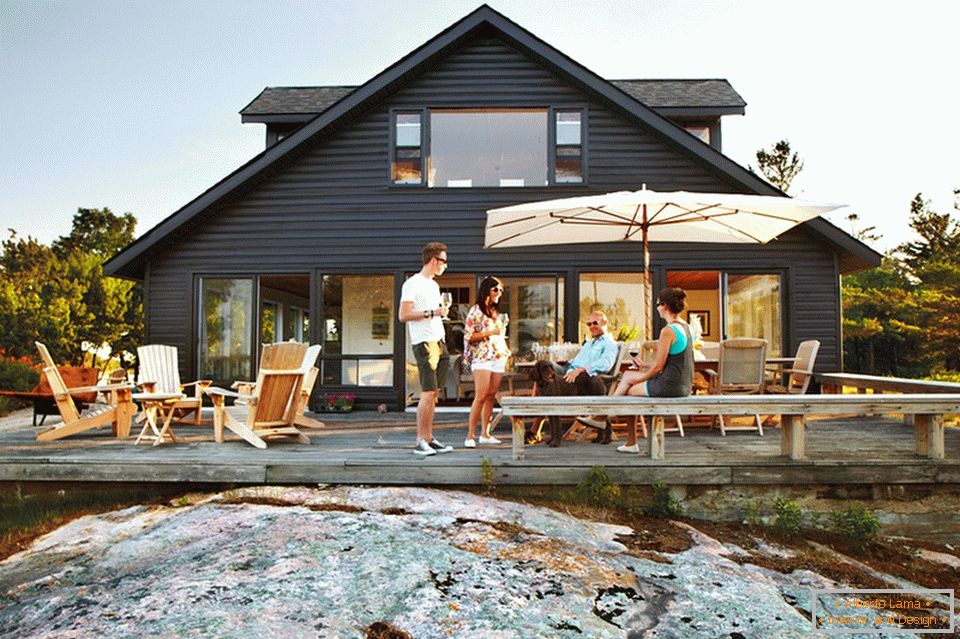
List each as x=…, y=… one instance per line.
x=313, y=238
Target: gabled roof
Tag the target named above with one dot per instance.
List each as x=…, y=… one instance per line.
x=131, y=261
x=670, y=97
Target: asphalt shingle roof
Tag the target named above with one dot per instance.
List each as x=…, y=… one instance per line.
x=653, y=93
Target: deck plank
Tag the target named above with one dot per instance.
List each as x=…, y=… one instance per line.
x=379, y=450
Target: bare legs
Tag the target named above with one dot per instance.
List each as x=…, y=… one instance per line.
x=425, y=409
x=630, y=385
x=486, y=385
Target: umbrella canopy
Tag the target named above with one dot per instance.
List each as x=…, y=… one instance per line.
x=649, y=216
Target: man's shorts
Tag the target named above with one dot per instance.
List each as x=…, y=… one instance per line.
x=432, y=363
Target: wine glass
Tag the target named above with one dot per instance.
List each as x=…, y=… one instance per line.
x=634, y=349
x=446, y=301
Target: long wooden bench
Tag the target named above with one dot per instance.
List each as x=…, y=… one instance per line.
x=928, y=411
x=835, y=383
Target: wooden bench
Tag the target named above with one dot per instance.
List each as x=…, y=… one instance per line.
x=928, y=411
x=835, y=383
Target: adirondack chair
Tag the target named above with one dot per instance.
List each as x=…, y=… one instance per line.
x=279, y=397
x=117, y=412
x=160, y=373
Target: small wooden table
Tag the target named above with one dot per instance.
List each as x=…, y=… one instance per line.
x=153, y=406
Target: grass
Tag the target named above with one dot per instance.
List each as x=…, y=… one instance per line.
x=29, y=510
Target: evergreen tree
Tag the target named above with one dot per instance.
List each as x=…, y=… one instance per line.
x=779, y=165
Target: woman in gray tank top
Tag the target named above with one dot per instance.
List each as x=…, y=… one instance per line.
x=671, y=373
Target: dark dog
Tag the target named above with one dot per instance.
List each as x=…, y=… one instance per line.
x=552, y=384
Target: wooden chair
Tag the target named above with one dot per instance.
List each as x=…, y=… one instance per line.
x=276, y=401
x=579, y=429
x=117, y=412
x=465, y=383
x=798, y=377
x=648, y=355
x=741, y=370
x=160, y=373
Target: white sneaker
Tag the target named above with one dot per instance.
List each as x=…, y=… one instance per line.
x=628, y=449
x=440, y=448
x=469, y=443
x=423, y=448
x=489, y=440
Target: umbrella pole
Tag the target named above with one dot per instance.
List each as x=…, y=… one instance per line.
x=647, y=278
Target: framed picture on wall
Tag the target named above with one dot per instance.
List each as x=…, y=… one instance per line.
x=704, y=320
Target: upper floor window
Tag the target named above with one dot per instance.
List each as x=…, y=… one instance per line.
x=491, y=147
x=408, y=150
x=569, y=147
x=702, y=132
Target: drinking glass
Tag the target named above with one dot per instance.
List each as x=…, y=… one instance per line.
x=446, y=300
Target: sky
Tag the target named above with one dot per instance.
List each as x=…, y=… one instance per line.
x=134, y=105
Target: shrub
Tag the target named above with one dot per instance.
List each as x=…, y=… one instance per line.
x=18, y=376
x=788, y=516
x=664, y=504
x=486, y=475
x=596, y=488
x=858, y=526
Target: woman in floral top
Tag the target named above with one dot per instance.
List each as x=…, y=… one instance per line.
x=485, y=348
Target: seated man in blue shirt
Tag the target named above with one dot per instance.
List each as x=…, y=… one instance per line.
x=597, y=356
x=599, y=353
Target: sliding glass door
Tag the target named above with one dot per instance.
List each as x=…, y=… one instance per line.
x=754, y=308
x=225, y=329
x=732, y=304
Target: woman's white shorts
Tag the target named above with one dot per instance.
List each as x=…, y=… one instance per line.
x=494, y=365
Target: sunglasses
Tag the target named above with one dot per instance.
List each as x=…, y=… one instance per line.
x=441, y=259
x=593, y=323
x=497, y=288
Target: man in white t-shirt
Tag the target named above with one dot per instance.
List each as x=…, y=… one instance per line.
x=423, y=313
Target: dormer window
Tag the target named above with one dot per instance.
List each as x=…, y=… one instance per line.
x=702, y=132
x=488, y=147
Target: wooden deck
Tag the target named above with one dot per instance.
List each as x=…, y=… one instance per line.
x=369, y=448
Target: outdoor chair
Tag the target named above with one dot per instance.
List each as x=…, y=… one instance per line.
x=160, y=373
x=42, y=396
x=117, y=411
x=275, y=403
x=799, y=375
x=648, y=354
x=580, y=429
x=740, y=372
x=465, y=383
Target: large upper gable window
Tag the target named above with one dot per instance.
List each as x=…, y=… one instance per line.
x=489, y=147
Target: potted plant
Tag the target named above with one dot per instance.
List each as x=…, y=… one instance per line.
x=341, y=402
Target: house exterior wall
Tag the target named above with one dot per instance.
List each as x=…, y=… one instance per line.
x=329, y=208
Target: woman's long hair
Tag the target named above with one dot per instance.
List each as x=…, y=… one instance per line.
x=483, y=292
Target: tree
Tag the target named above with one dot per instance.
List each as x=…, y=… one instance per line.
x=866, y=234
x=58, y=295
x=779, y=165
x=98, y=232
x=902, y=318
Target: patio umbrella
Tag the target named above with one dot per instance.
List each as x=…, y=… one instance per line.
x=649, y=216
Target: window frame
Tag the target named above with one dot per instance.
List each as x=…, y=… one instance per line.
x=320, y=335
x=425, y=143
x=424, y=140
